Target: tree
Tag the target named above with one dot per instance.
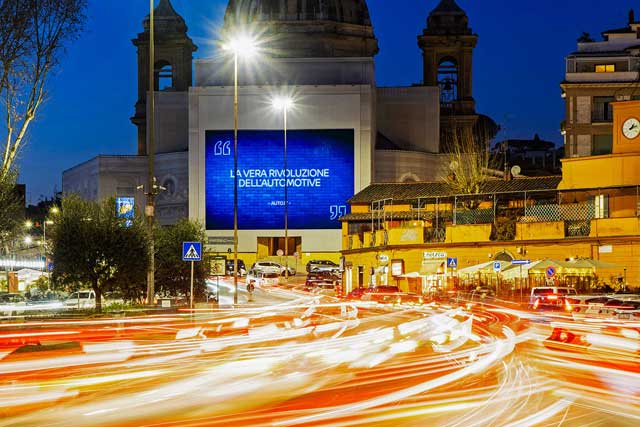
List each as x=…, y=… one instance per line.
x=91, y=246
x=173, y=276
x=470, y=160
x=11, y=210
x=33, y=36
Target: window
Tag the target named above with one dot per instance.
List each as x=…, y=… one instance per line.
x=448, y=80
x=602, y=144
x=601, y=204
x=602, y=109
x=606, y=68
x=163, y=76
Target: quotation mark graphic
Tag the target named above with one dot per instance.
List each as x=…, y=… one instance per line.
x=337, y=211
x=222, y=148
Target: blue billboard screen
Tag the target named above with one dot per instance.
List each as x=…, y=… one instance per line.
x=319, y=178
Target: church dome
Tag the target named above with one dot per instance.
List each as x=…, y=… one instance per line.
x=307, y=28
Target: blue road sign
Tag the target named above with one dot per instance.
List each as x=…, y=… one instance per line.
x=496, y=266
x=452, y=262
x=551, y=271
x=191, y=251
x=521, y=261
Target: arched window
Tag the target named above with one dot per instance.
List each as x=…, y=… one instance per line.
x=503, y=256
x=164, y=76
x=448, y=80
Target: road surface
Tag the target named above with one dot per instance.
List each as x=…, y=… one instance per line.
x=290, y=359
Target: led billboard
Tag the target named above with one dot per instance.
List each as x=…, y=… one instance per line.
x=319, y=178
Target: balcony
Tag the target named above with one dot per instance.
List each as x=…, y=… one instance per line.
x=617, y=77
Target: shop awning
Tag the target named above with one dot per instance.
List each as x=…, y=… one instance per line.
x=431, y=267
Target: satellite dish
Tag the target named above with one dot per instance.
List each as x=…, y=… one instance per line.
x=515, y=171
x=453, y=165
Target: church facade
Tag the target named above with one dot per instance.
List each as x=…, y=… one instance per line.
x=344, y=133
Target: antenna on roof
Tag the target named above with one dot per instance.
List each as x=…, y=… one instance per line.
x=632, y=17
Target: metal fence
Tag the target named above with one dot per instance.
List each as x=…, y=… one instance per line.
x=504, y=211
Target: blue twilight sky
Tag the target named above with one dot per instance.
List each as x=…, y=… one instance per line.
x=518, y=66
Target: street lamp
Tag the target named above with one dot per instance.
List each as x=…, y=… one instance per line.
x=245, y=46
x=283, y=103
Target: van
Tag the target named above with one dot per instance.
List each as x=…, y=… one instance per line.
x=81, y=300
x=550, y=297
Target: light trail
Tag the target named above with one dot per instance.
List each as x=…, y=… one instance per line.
x=319, y=362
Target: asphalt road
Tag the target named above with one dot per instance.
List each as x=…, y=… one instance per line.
x=291, y=359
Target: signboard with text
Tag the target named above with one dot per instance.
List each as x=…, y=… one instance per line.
x=319, y=178
x=434, y=255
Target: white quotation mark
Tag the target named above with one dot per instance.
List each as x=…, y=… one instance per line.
x=338, y=211
x=222, y=148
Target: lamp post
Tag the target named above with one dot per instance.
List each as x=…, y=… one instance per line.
x=151, y=191
x=284, y=103
x=241, y=46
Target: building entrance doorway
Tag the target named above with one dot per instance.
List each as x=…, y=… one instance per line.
x=269, y=246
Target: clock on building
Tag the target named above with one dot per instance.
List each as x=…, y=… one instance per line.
x=631, y=128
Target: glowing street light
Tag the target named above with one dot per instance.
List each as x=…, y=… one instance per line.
x=245, y=46
x=284, y=103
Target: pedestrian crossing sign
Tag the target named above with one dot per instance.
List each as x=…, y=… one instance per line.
x=191, y=251
x=452, y=262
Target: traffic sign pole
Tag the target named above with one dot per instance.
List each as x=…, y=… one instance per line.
x=192, y=264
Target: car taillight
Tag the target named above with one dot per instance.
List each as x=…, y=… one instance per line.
x=567, y=305
x=536, y=304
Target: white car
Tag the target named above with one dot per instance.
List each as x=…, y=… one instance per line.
x=260, y=278
x=12, y=304
x=272, y=267
x=82, y=300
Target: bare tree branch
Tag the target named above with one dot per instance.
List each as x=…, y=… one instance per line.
x=33, y=35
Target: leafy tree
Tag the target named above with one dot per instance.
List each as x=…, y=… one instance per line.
x=173, y=276
x=33, y=35
x=93, y=247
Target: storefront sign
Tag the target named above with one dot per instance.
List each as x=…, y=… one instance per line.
x=397, y=267
x=434, y=255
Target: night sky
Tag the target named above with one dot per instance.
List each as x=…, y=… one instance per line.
x=518, y=65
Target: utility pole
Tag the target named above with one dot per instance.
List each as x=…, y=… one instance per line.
x=151, y=190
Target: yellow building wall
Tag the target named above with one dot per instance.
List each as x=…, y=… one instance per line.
x=469, y=233
x=623, y=206
x=614, y=227
x=600, y=171
x=540, y=230
x=360, y=209
x=406, y=236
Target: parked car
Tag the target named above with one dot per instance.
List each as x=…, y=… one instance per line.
x=318, y=265
x=12, y=304
x=261, y=278
x=322, y=277
x=585, y=305
x=620, y=310
x=44, y=303
x=551, y=297
x=241, y=268
x=272, y=267
x=82, y=300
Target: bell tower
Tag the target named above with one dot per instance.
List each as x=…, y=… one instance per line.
x=173, y=62
x=447, y=45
